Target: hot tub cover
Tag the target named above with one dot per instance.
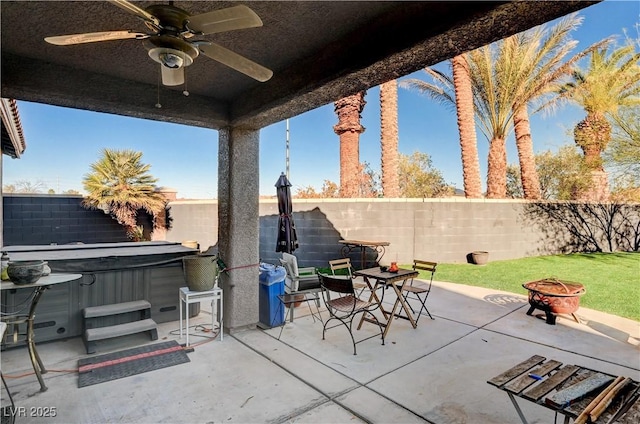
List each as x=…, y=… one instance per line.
x=86, y=258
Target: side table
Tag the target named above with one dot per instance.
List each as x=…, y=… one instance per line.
x=188, y=297
x=288, y=301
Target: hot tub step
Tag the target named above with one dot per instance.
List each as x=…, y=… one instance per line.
x=115, y=308
x=139, y=317
x=93, y=334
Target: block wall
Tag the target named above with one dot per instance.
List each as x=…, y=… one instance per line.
x=442, y=230
x=46, y=219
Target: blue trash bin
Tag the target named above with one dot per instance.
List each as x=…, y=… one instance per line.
x=271, y=313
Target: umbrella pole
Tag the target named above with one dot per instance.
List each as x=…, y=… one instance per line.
x=286, y=160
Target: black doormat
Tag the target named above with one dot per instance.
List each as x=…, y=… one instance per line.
x=98, y=369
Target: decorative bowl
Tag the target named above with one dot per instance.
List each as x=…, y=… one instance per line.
x=25, y=272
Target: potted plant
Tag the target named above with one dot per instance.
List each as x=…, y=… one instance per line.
x=480, y=257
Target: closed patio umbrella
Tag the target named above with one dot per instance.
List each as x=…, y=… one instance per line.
x=287, y=237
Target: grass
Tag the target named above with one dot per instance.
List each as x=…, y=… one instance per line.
x=612, y=280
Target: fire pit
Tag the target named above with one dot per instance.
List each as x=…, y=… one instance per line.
x=554, y=297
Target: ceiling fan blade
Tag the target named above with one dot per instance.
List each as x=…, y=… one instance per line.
x=236, y=17
x=141, y=13
x=235, y=61
x=171, y=76
x=92, y=37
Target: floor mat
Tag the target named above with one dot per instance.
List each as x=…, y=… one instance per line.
x=98, y=369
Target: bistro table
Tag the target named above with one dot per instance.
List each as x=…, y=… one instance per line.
x=14, y=319
x=362, y=245
x=374, y=277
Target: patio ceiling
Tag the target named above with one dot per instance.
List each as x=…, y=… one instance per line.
x=318, y=51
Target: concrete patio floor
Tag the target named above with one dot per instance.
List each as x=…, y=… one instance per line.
x=435, y=373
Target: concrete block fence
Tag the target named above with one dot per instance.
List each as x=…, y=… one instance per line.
x=31, y=219
x=441, y=230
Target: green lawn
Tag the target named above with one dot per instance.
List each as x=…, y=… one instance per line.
x=612, y=280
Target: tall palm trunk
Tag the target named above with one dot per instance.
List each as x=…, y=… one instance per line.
x=389, y=138
x=593, y=134
x=497, y=169
x=349, y=129
x=528, y=172
x=466, y=128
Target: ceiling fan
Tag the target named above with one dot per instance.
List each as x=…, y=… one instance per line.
x=170, y=41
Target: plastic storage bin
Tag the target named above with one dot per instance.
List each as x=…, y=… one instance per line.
x=271, y=314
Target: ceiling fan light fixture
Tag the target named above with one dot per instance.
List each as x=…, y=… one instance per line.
x=172, y=63
x=171, y=60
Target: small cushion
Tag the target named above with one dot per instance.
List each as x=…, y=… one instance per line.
x=293, y=263
x=289, y=284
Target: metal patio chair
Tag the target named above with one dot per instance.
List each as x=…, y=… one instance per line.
x=343, y=306
x=343, y=267
x=300, y=281
x=418, y=289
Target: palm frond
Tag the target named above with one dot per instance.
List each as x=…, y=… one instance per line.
x=440, y=90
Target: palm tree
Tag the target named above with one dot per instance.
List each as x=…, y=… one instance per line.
x=466, y=127
x=493, y=93
x=534, y=59
x=458, y=92
x=389, y=138
x=119, y=184
x=493, y=100
x=611, y=81
x=349, y=129
x=505, y=77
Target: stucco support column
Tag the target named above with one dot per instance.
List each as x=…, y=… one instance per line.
x=239, y=228
x=1, y=201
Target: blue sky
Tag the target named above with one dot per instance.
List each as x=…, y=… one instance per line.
x=62, y=142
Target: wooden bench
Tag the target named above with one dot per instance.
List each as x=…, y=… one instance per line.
x=93, y=332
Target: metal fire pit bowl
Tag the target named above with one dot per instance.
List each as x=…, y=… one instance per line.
x=554, y=297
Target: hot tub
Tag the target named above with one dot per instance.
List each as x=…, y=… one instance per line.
x=111, y=273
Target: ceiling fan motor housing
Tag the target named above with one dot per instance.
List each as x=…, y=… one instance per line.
x=171, y=18
x=169, y=47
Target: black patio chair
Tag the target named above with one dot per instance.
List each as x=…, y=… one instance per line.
x=343, y=305
x=343, y=267
x=418, y=289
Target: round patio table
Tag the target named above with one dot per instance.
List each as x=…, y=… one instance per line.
x=15, y=319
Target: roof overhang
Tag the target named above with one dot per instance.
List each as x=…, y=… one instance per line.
x=319, y=51
x=11, y=134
